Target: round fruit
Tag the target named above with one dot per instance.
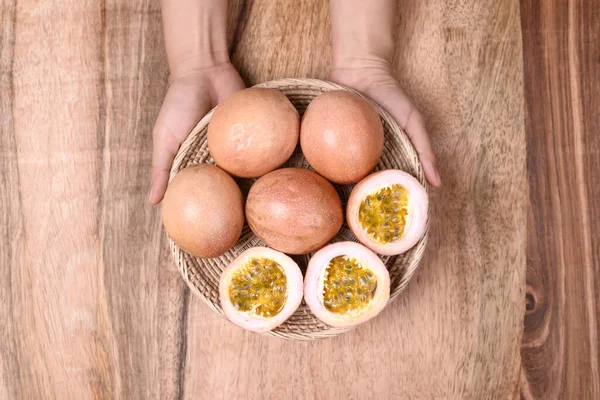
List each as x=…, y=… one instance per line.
x=346, y=284
x=387, y=211
x=341, y=136
x=253, y=131
x=294, y=210
x=260, y=289
x=203, y=211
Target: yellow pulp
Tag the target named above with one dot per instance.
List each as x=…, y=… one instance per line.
x=348, y=285
x=259, y=287
x=383, y=214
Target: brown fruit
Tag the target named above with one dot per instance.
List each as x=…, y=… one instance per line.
x=253, y=131
x=203, y=211
x=294, y=210
x=341, y=136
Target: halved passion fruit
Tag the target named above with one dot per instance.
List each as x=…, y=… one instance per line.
x=260, y=289
x=387, y=211
x=346, y=284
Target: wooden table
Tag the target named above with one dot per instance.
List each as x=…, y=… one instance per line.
x=505, y=303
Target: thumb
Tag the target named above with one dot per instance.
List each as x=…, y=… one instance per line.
x=177, y=117
x=411, y=120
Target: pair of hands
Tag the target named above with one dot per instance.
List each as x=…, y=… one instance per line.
x=193, y=93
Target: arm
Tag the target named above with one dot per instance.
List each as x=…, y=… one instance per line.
x=195, y=33
x=363, y=46
x=201, y=76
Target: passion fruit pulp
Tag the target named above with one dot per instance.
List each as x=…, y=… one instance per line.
x=260, y=289
x=346, y=284
x=387, y=211
x=383, y=213
x=349, y=285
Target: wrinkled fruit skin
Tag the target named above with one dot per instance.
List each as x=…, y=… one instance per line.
x=253, y=131
x=253, y=322
x=315, y=276
x=203, y=211
x=294, y=210
x=341, y=136
x=416, y=216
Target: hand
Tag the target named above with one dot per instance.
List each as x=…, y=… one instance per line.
x=374, y=78
x=190, y=96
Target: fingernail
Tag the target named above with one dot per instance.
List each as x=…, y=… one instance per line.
x=150, y=196
x=438, y=178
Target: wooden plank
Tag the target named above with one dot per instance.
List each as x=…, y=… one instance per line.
x=93, y=305
x=10, y=211
x=55, y=300
x=144, y=297
x=560, y=349
x=455, y=333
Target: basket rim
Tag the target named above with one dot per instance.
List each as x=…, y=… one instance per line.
x=318, y=85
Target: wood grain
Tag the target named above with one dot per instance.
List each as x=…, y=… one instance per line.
x=560, y=348
x=91, y=304
x=10, y=212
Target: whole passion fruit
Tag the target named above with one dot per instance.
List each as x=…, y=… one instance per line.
x=253, y=131
x=203, y=211
x=260, y=289
x=341, y=136
x=294, y=210
x=387, y=211
x=346, y=284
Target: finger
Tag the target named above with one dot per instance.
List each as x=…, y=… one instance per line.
x=415, y=129
x=164, y=149
x=411, y=120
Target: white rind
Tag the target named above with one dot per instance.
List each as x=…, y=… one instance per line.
x=256, y=323
x=416, y=222
x=313, y=284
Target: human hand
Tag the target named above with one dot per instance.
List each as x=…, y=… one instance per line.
x=192, y=93
x=373, y=78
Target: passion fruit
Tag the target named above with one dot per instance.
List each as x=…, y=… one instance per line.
x=346, y=284
x=203, y=211
x=253, y=131
x=341, y=136
x=294, y=210
x=260, y=289
x=387, y=211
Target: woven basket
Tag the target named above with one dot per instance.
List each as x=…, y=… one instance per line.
x=202, y=275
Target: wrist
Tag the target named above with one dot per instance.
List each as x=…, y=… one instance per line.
x=195, y=34
x=197, y=63
x=362, y=30
x=355, y=50
x=381, y=49
x=360, y=62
